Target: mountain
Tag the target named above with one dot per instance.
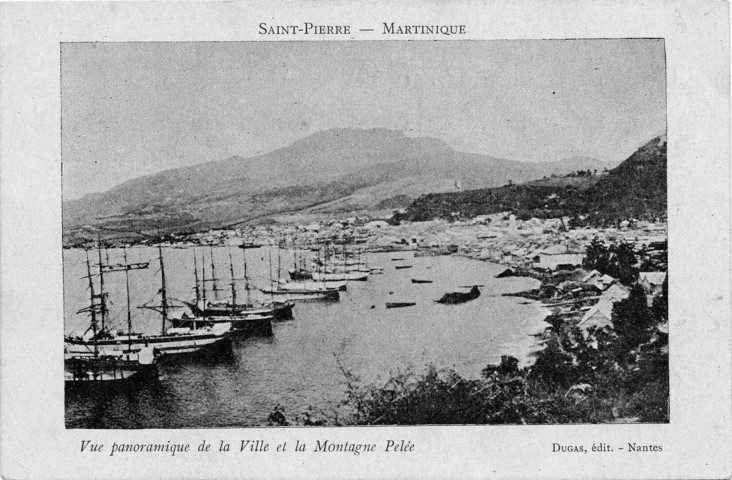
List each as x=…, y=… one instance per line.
x=634, y=189
x=637, y=188
x=337, y=170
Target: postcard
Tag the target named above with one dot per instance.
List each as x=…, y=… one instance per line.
x=365, y=241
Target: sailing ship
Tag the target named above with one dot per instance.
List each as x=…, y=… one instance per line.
x=204, y=340
x=104, y=367
x=334, y=268
x=202, y=307
x=251, y=320
x=351, y=262
x=300, y=291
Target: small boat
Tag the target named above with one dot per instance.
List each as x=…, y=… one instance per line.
x=282, y=310
x=313, y=285
x=402, y=267
x=340, y=277
x=459, y=297
x=247, y=245
x=508, y=272
x=397, y=259
x=399, y=304
x=109, y=367
x=417, y=280
x=300, y=295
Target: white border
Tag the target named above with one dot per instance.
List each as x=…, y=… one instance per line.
x=696, y=444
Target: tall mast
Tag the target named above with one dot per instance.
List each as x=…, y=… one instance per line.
x=163, y=291
x=321, y=265
x=92, y=309
x=271, y=282
x=246, y=278
x=203, y=284
x=213, y=275
x=102, y=300
x=279, y=261
x=198, y=291
x=233, y=286
x=195, y=276
x=129, y=312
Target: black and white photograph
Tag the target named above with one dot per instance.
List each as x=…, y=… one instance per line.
x=338, y=240
x=364, y=233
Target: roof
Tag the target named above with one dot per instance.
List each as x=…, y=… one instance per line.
x=615, y=293
x=603, y=307
x=591, y=275
x=652, y=278
x=555, y=250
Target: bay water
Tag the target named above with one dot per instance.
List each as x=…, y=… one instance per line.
x=300, y=365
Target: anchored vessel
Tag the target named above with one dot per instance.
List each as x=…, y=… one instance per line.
x=171, y=341
x=243, y=318
x=107, y=366
x=460, y=297
x=302, y=290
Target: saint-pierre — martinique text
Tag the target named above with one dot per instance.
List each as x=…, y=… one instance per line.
x=389, y=28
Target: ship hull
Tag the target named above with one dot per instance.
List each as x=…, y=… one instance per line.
x=80, y=371
x=250, y=324
x=164, y=345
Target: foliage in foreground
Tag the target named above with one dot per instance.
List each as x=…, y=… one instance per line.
x=618, y=375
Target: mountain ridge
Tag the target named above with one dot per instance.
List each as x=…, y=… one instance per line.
x=362, y=166
x=635, y=189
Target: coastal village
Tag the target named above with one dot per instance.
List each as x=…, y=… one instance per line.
x=545, y=249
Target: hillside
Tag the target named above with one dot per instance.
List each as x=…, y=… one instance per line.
x=337, y=170
x=634, y=189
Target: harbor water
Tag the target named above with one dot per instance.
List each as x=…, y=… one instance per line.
x=299, y=366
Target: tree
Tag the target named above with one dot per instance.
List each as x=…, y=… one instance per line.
x=632, y=321
x=625, y=261
x=597, y=256
x=659, y=310
x=553, y=365
x=617, y=260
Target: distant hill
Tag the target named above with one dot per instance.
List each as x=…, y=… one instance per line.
x=634, y=189
x=337, y=170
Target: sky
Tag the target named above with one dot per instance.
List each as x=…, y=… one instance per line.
x=132, y=109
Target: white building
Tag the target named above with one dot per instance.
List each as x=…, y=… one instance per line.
x=600, y=315
x=554, y=257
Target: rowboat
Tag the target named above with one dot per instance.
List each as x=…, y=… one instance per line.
x=399, y=304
